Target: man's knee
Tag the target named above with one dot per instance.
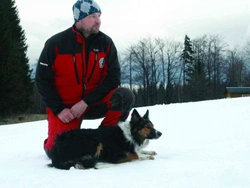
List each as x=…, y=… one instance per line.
x=123, y=99
x=127, y=94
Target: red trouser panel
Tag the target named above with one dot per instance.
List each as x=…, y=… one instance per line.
x=111, y=118
x=56, y=126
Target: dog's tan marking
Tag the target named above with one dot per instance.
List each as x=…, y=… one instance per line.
x=128, y=158
x=144, y=132
x=98, y=150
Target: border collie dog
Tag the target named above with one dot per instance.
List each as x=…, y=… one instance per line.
x=86, y=148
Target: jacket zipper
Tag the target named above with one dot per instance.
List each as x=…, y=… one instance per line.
x=92, y=71
x=76, y=71
x=84, y=67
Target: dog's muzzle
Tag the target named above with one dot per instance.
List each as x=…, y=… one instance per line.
x=158, y=134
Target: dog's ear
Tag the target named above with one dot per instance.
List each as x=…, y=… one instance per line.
x=135, y=115
x=146, y=115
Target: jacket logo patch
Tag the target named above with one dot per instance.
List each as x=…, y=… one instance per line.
x=101, y=62
x=44, y=64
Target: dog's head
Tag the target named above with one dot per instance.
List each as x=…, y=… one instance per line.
x=142, y=128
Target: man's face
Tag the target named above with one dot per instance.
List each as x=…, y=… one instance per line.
x=90, y=24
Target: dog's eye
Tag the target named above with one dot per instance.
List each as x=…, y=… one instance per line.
x=149, y=125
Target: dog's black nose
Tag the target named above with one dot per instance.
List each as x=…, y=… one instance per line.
x=158, y=134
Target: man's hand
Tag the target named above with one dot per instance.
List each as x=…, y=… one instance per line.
x=66, y=116
x=78, y=109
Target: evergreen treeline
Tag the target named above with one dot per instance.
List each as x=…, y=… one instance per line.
x=16, y=87
x=158, y=70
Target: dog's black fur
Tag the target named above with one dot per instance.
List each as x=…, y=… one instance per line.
x=84, y=148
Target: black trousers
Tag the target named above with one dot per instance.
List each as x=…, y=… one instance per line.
x=115, y=109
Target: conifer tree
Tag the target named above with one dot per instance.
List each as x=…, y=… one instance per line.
x=16, y=86
x=194, y=71
x=187, y=56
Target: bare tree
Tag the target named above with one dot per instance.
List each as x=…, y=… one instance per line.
x=246, y=51
x=170, y=53
x=246, y=56
x=140, y=55
x=126, y=69
x=215, y=64
x=209, y=55
x=236, y=68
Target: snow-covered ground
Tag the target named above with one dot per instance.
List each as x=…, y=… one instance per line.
x=204, y=145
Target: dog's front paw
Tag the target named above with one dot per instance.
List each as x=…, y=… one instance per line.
x=143, y=156
x=79, y=166
x=148, y=152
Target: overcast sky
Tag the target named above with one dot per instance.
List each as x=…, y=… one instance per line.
x=128, y=21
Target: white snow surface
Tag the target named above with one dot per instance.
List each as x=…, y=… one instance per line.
x=204, y=145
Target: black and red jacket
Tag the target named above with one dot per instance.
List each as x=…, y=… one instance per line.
x=71, y=68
